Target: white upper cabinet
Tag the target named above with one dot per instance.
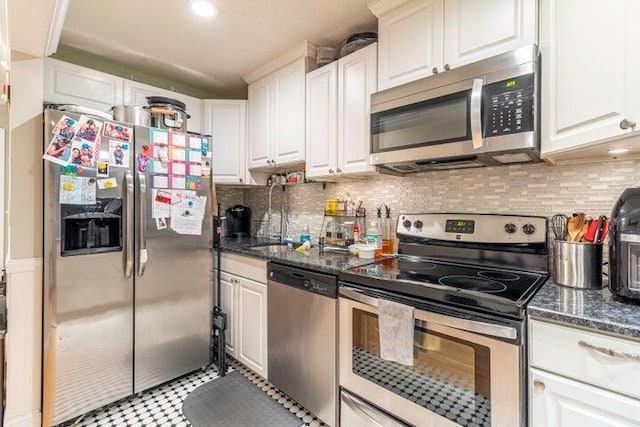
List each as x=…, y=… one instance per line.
x=322, y=119
x=225, y=121
x=590, y=85
x=66, y=83
x=476, y=30
x=338, y=115
x=135, y=93
x=277, y=117
x=357, y=77
x=410, y=42
x=421, y=37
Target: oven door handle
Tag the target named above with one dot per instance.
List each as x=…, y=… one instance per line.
x=475, y=114
x=468, y=325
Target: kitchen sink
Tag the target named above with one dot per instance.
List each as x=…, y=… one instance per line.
x=273, y=248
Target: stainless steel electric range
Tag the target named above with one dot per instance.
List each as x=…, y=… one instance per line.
x=468, y=278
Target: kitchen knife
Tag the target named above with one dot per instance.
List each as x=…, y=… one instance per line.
x=599, y=228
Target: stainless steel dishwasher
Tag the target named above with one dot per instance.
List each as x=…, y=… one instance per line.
x=302, y=337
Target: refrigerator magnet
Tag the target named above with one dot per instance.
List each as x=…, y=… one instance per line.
x=58, y=151
x=178, y=154
x=160, y=152
x=204, y=147
x=83, y=153
x=102, y=170
x=195, y=169
x=195, y=142
x=158, y=136
x=159, y=181
x=106, y=184
x=65, y=128
x=161, y=223
x=117, y=131
x=194, y=183
x=178, y=139
x=119, y=153
x=142, y=162
x=178, y=168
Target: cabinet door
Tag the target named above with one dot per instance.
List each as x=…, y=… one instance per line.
x=66, y=83
x=225, y=121
x=287, y=141
x=322, y=117
x=252, y=324
x=589, y=75
x=228, y=302
x=135, y=93
x=556, y=401
x=260, y=100
x=410, y=42
x=475, y=30
x=357, y=77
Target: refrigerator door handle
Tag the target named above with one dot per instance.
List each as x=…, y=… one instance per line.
x=142, y=224
x=128, y=208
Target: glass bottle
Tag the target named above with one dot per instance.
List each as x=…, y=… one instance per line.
x=387, y=233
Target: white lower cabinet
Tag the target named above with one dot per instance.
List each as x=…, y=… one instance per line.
x=561, y=402
x=244, y=300
x=580, y=378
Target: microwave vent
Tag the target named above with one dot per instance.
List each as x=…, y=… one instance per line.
x=507, y=158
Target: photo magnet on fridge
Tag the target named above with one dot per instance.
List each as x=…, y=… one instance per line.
x=103, y=170
x=161, y=223
x=66, y=127
x=119, y=154
x=117, y=131
x=89, y=129
x=83, y=153
x=58, y=151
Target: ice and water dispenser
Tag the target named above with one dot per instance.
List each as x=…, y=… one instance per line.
x=88, y=229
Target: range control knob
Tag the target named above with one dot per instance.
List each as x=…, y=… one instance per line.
x=510, y=228
x=528, y=229
x=407, y=224
x=417, y=224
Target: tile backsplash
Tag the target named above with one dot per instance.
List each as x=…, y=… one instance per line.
x=536, y=189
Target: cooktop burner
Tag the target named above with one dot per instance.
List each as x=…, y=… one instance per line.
x=480, y=284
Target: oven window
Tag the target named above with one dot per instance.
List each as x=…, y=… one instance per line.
x=428, y=123
x=450, y=377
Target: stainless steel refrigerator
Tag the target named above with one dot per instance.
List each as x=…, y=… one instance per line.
x=127, y=298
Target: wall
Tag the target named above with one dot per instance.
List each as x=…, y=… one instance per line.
x=537, y=189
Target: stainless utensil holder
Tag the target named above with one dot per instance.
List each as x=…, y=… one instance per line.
x=577, y=265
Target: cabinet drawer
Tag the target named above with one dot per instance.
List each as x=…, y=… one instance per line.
x=608, y=362
x=243, y=266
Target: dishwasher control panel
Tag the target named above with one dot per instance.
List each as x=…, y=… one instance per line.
x=311, y=281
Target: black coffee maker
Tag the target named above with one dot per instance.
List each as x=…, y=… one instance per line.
x=624, y=246
x=239, y=221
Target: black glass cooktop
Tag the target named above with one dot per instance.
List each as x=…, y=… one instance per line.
x=483, y=287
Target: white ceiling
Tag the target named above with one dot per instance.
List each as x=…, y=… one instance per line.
x=164, y=38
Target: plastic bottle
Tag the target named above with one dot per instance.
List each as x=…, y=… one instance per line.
x=356, y=232
x=374, y=237
x=305, y=236
x=387, y=233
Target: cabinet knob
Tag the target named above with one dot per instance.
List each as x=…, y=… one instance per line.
x=539, y=385
x=330, y=170
x=339, y=170
x=240, y=179
x=626, y=124
x=273, y=162
x=435, y=70
x=268, y=162
x=447, y=67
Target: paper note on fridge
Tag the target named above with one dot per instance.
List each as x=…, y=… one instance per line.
x=161, y=206
x=75, y=190
x=188, y=214
x=104, y=184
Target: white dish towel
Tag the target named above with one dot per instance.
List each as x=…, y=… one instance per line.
x=395, y=322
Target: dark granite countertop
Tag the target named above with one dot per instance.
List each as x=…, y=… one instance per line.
x=588, y=308
x=327, y=261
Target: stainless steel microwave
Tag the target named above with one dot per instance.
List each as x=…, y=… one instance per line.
x=481, y=114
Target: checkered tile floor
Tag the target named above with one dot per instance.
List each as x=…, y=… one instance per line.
x=162, y=406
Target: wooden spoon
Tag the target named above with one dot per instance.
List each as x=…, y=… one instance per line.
x=574, y=227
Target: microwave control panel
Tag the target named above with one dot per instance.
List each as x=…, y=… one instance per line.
x=508, y=106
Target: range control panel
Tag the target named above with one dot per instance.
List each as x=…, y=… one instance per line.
x=477, y=228
x=508, y=106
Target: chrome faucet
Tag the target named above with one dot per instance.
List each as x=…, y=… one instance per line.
x=283, y=221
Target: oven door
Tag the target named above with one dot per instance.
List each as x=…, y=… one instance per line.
x=442, y=123
x=460, y=375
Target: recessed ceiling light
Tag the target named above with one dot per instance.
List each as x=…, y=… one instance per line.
x=203, y=8
x=617, y=150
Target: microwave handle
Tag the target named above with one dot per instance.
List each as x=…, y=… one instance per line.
x=475, y=114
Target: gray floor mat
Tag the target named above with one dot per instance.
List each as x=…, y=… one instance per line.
x=233, y=401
